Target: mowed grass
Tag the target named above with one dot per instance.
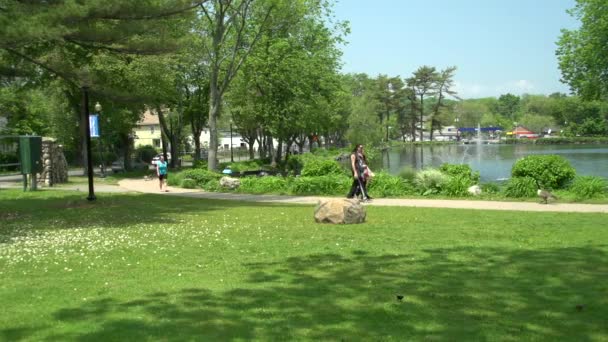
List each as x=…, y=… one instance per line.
x=157, y=267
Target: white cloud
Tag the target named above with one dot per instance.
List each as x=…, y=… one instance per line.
x=518, y=87
x=467, y=91
x=478, y=90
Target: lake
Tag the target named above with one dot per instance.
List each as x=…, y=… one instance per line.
x=494, y=161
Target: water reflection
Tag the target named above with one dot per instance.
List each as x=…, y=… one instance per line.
x=493, y=161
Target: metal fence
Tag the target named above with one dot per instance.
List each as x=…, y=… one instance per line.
x=9, y=154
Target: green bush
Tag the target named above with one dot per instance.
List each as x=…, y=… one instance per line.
x=408, y=173
x=200, y=164
x=457, y=185
x=263, y=185
x=321, y=167
x=550, y=171
x=320, y=185
x=145, y=153
x=429, y=181
x=188, y=183
x=294, y=165
x=585, y=187
x=9, y=158
x=202, y=178
x=385, y=185
x=490, y=188
x=212, y=185
x=457, y=170
x=241, y=166
x=519, y=187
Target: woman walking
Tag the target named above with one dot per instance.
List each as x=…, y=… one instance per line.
x=361, y=174
x=161, y=172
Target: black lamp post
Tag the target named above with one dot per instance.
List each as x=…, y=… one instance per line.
x=231, y=153
x=87, y=140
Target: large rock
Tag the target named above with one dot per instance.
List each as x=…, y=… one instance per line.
x=230, y=183
x=338, y=211
x=474, y=190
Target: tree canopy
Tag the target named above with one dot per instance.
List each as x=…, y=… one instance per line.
x=583, y=52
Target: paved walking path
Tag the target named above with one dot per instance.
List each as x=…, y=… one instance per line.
x=151, y=186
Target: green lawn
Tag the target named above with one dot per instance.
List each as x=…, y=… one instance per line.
x=154, y=267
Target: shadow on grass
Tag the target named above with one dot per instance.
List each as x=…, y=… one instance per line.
x=448, y=294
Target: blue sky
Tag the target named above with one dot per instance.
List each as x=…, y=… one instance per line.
x=499, y=46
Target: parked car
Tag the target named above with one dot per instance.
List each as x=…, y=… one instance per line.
x=157, y=158
x=119, y=165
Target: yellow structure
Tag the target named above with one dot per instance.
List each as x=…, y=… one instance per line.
x=147, y=131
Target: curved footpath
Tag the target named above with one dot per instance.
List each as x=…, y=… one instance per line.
x=151, y=186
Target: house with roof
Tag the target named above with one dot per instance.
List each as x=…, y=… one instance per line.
x=148, y=132
x=522, y=132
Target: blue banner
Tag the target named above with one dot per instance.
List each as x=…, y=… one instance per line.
x=94, y=125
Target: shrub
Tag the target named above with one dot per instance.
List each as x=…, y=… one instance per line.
x=320, y=185
x=321, y=167
x=385, y=185
x=408, y=173
x=549, y=171
x=249, y=165
x=106, y=157
x=521, y=187
x=9, y=158
x=145, y=153
x=212, y=185
x=585, y=187
x=429, y=181
x=294, y=164
x=457, y=170
x=188, y=183
x=200, y=164
x=263, y=185
x=202, y=178
x=457, y=185
x=490, y=188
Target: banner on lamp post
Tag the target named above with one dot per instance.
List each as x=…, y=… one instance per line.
x=94, y=125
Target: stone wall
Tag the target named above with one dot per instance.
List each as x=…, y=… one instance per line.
x=54, y=164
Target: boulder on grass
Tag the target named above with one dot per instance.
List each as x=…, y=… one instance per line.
x=340, y=211
x=230, y=183
x=474, y=190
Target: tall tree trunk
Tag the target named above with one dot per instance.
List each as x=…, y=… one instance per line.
x=214, y=111
x=278, y=155
x=251, y=152
x=197, y=147
x=421, y=117
x=166, y=134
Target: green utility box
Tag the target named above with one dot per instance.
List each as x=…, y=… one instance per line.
x=30, y=154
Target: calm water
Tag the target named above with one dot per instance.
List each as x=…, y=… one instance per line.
x=495, y=161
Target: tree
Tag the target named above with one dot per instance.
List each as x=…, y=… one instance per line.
x=86, y=44
x=363, y=128
x=537, y=123
x=234, y=27
x=406, y=118
x=390, y=94
x=290, y=82
x=62, y=37
x=443, y=88
x=508, y=106
x=422, y=83
x=583, y=53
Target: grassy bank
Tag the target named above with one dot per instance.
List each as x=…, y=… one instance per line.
x=151, y=267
